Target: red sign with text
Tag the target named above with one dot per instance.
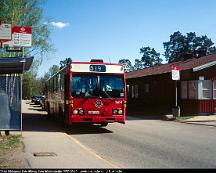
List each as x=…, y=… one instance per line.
x=175, y=72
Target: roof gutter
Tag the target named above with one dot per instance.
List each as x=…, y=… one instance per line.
x=198, y=68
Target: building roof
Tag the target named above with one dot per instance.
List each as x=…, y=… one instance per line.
x=166, y=68
x=15, y=65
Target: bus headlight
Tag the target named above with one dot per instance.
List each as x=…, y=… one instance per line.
x=120, y=111
x=115, y=111
x=81, y=111
x=75, y=112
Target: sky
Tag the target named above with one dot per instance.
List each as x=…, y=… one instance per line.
x=117, y=29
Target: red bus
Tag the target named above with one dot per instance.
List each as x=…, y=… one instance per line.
x=88, y=92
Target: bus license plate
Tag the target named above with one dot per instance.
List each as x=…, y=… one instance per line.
x=94, y=112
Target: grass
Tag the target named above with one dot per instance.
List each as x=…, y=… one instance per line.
x=9, y=142
x=184, y=117
x=10, y=152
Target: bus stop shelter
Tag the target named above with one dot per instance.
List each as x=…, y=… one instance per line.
x=11, y=70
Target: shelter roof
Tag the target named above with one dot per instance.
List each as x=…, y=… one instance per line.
x=15, y=64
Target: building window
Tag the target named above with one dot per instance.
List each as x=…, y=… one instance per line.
x=184, y=90
x=193, y=89
x=214, y=89
x=134, y=91
x=205, y=89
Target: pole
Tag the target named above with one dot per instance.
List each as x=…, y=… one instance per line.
x=176, y=102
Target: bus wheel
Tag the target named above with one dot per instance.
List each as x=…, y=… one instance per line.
x=103, y=124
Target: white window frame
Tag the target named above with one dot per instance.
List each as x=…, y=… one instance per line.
x=202, y=90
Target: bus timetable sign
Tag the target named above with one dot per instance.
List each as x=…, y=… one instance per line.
x=5, y=32
x=175, y=72
x=22, y=36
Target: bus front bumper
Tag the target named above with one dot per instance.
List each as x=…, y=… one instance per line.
x=98, y=119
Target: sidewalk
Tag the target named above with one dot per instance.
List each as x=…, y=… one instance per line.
x=208, y=120
x=47, y=146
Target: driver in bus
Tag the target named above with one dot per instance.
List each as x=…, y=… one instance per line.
x=106, y=86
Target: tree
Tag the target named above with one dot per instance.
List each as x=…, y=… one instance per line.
x=27, y=13
x=127, y=64
x=31, y=85
x=138, y=64
x=150, y=57
x=52, y=70
x=63, y=63
x=181, y=47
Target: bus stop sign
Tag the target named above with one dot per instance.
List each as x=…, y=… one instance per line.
x=175, y=72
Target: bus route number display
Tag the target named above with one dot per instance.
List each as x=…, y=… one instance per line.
x=97, y=68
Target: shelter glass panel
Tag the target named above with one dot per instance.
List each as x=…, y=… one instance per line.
x=10, y=102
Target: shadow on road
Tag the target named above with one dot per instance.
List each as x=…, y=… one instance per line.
x=39, y=123
x=130, y=117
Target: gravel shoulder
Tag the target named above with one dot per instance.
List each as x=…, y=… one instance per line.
x=12, y=153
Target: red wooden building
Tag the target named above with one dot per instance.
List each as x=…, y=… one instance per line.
x=152, y=90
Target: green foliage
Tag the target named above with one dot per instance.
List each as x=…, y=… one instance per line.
x=31, y=85
x=138, y=64
x=9, y=142
x=63, y=63
x=127, y=64
x=181, y=47
x=27, y=13
x=150, y=57
x=52, y=70
x=184, y=117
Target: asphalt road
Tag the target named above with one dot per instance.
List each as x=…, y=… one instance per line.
x=149, y=143
x=141, y=142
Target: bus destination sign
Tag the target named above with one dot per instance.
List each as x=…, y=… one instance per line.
x=97, y=68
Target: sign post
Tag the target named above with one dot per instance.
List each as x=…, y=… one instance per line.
x=176, y=77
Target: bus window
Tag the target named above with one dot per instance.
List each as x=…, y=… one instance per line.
x=84, y=86
x=111, y=86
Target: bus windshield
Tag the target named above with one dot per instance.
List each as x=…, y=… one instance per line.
x=97, y=85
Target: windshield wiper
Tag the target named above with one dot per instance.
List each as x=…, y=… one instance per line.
x=107, y=94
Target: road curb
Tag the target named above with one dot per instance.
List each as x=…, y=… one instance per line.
x=196, y=123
